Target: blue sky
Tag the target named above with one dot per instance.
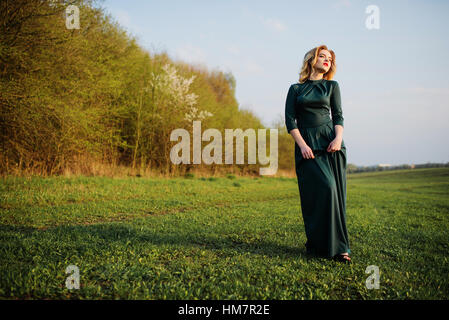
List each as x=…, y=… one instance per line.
x=393, y=80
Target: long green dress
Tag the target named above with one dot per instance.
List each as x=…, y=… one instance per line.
x=322, y=180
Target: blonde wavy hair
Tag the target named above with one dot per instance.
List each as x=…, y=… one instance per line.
x=309, y=62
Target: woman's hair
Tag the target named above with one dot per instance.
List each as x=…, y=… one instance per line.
x=310, y=59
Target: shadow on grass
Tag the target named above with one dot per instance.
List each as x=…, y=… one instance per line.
x=113, y=234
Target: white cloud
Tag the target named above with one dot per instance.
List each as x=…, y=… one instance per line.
x=244, y=67
x=190, y=53
x=273, y=24
x=342, y=3
x=422, y=90
x=124, y=19
x=252, y=67
x=233, y=49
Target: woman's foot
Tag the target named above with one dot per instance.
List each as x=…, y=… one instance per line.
x=343, y=257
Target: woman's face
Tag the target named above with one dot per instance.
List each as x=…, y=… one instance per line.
x=324, y=61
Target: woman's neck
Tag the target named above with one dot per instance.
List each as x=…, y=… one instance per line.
x=316, y=76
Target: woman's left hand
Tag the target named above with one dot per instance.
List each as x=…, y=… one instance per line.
x=335, y=145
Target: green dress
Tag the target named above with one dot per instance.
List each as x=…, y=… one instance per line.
x=322, y=180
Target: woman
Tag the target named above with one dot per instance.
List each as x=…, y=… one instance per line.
x=320, y=154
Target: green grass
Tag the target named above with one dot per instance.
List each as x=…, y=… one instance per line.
x=219, y=238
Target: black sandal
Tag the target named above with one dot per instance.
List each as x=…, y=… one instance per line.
x=342, y=258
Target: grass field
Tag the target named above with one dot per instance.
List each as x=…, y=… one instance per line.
x=219, y=238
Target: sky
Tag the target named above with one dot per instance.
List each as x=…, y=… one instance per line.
x=393, y=79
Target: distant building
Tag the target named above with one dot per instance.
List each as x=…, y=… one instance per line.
x=384, y=165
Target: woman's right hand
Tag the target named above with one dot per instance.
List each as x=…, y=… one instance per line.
x=307, y=152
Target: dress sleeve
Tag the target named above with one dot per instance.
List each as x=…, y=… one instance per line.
x=335, y=100
x=290, y=113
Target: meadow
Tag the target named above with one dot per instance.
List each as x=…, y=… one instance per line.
x=219, y=238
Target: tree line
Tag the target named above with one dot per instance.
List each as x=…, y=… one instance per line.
x=91, y=100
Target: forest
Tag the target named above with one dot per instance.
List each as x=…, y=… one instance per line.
x=91, y=100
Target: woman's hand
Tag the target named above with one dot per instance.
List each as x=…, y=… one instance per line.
x=335, y=145
x=307, y=152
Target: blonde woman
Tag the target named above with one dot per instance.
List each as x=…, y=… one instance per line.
x=320, y=154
